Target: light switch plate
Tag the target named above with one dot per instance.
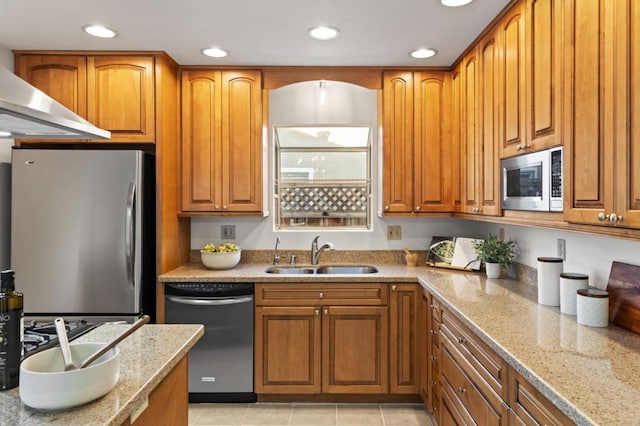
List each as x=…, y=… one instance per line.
x=562, y=248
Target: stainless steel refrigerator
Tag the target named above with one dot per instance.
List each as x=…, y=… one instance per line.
x=83, y=233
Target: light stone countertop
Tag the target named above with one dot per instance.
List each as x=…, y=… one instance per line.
x=591, y=374
x=146, y=357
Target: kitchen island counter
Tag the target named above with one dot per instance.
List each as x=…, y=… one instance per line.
x=589, y=373
x=146, y=357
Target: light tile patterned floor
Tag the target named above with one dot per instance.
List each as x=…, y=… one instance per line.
x=301, y=414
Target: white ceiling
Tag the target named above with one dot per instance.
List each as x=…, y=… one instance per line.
x=254, y=32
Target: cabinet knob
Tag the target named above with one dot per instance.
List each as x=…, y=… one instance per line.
x=217, y=207
x=614, y=218
x=224, y=207
x=417, y=208
x=394, y=287
x=386, y=208
x=602, y=217
x=326, y=312
x=462, y=340
x=461, y=389
x=433, y=358
x=434, y=332
x=321, y=295
x=317, y=312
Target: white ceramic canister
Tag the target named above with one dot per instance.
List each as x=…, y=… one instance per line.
x=549, y=270
x=570, y=283
x=593, y=307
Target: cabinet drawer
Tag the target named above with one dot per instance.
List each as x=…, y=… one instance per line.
x=486, y=363
x=302, y=294
x=477, y=402
x=530, y=406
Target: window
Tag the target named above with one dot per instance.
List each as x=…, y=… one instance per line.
x=323, y=177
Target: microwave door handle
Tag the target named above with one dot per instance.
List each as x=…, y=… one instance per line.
x=210, y=302
x=129, y=232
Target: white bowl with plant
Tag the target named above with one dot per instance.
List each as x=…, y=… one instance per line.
x=495, y=253
x=224, y=256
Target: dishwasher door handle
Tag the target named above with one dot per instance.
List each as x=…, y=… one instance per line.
x=210, y=302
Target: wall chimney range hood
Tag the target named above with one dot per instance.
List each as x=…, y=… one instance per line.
x=26, y=112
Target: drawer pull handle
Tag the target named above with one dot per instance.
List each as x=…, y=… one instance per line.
x=326, y=312
x=321, y=295
x=394, y=287
x=461, y=389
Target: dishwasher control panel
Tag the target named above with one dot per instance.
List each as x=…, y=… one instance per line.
x=208, y=289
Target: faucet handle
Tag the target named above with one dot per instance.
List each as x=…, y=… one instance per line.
x=292, y=259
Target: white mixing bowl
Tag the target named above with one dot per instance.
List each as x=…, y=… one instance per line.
x=45, y=385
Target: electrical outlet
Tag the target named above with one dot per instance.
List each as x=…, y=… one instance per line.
x=501, y=234
x=562, y=248
x=394, y=232
x=228, y=232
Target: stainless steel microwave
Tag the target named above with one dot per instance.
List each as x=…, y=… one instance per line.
x=533, y=181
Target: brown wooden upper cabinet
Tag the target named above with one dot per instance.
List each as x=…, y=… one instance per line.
x=530, y=38
x=602, y=139
x=113, y=92
x=480, y=130
x=221, y=141
x=416, y=150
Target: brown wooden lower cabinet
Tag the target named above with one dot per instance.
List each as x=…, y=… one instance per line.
x=334, y=346
x=471, y=383
x=529, y=406
x=169, y=401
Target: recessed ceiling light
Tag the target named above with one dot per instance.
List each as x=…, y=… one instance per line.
x=99, y=31
x=324, y=33
x=4, y=134
x=455, y=3
x=214, y=52
x=423, y=53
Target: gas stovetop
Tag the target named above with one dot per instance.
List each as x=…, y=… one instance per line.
x=41, y=335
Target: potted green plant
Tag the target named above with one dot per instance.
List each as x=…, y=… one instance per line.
x=495, y=253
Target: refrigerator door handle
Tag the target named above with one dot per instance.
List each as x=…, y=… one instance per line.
x=129, y=232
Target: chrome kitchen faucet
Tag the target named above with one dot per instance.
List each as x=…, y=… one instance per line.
x=315, y=251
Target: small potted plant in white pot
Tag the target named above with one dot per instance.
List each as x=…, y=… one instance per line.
x=495, y=253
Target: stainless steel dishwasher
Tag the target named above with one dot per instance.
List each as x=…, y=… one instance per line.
x=221, y=362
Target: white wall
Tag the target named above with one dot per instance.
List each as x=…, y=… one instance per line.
x=6, y=60
x=588, y=254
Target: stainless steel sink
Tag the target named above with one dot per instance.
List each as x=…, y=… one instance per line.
x=346, y=269
x=293, y=270
x=323, y=270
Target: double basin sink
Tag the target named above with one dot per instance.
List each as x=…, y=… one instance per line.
x=323, y=270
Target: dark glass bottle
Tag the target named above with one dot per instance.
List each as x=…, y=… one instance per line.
x=11, y=304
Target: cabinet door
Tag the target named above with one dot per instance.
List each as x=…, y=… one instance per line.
x=588, y=125
x=627, y=124
x=403, y=332
x=64, y=78
x=201, y=140
x=489, y=135
x=457, y=137
x=424, y=348
x=543, y=75
x=530, y=406
x=287, y=350
x=512, y=38
x=397, y=124
x=120, y=97
x=355, y=349
x=431, y=147
x=241, y=141
x=470, y=166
